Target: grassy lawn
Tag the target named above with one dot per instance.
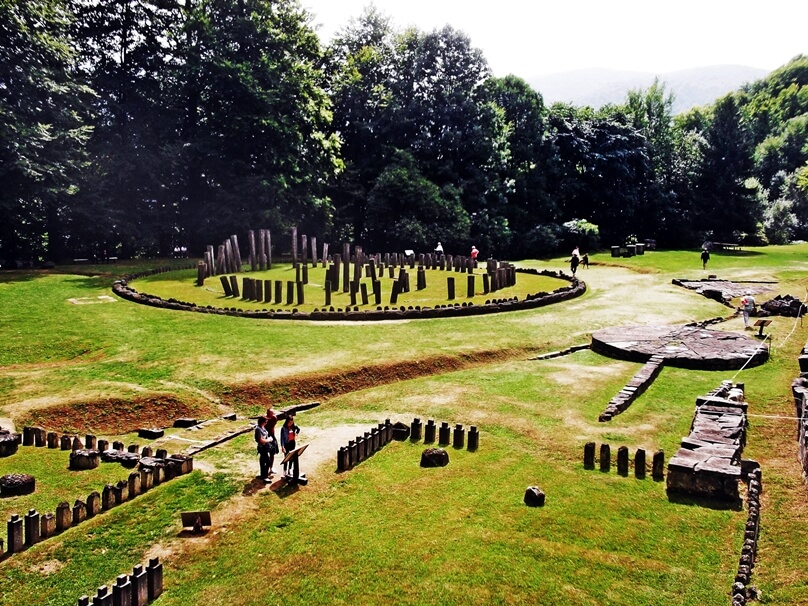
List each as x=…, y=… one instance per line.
x=388, y=530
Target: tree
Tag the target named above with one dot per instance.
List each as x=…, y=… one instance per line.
x=406, y=210
x=43, y=128
x=528, y=202
x=125, y=52
x=727, y=207
x=254, y=147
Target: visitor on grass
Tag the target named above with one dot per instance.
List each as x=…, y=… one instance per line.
x=264, y=445
x=474, y=253
x=439, y=249
x=747, y=307
x=289, y=433
x=585, y=260
x=574, y=261
x=705, y=256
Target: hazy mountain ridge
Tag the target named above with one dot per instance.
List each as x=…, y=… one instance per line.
x=598, y=86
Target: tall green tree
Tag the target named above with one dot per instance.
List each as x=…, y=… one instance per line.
x=254, y=148
x=43, y=128
x=727, y=208
x=125, y=53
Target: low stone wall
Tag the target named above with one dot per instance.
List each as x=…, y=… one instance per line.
x=708, y=464
x=575, y=289
x=634, y=388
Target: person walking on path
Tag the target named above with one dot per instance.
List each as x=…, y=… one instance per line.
x=263, y=443
x=289, y=433
x=705, y=256
x=747, y=307
x=574, y=261
x=585, y=260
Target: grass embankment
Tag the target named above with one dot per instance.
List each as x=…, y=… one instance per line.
x=387, y=529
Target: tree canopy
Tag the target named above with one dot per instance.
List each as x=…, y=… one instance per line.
x=132, y=126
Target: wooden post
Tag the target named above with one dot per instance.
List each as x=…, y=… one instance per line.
x=290, y=292
x=278, y=292
x=300, y=299
x=346, y=269
x=605, y=457
x=251, y=243
x=269, y=250
x=236, y=252
x=363, y=288
x=262, y=250
x=314, y=252
x=450, y=285
x=325, y=254
x=470, y=285
x=294, y=245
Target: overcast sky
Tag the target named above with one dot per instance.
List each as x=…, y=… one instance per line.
x=531, y=38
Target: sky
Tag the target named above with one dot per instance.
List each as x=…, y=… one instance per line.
x=533, y=38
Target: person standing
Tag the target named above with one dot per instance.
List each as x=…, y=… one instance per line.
x=585, y=260
x=705, y=256
x=474, y=253
x=574, y=261
x=272, y=421
x=263, y=444
x=289, y=433
x=439, y=249
x=747, y=307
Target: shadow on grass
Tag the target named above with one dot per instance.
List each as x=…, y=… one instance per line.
x=715, y=504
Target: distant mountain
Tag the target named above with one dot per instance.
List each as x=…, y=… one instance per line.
x=597, y=87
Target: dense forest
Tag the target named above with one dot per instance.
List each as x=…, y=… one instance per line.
x=131, y=127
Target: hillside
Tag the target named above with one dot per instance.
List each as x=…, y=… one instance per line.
x=597, y=86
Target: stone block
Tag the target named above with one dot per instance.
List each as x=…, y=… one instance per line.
x=47, y=526
x=434, y=457
x=534, y=496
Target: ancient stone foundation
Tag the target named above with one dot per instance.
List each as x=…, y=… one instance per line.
x=708, y=463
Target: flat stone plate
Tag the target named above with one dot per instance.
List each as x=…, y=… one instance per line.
x=682, y=346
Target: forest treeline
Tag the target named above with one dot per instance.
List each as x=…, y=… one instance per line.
x=131, y=127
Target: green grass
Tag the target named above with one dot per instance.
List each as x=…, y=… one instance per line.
x=389, y=530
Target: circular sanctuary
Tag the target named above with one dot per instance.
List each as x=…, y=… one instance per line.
x=690, y=347
x=372, y=291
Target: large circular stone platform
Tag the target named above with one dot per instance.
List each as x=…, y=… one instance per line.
x=682, y=346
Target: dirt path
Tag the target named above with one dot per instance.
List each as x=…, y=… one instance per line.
x=317, y=462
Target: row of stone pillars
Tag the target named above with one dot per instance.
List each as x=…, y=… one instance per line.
x=38, y=437
x=445, y=434
x=137, y=589
x=605, y=461
x=34, y=528
x=364, y=446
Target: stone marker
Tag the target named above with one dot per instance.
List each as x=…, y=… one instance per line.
x=32, y=527
x=76, y=444
x=53, y=439
x=434, y=457
x=79, y=512
x=122, y=591
x=64, y=516
x=90, y=442
x=84, y=459
x=47, y=526
x=93, y=504
x=639, y=464
x=474, y=438
x=589, y=455
x=400, y=431
x=622, y=460
x=140, y=586
x=65, y=442
x=16, y=484
x=8, y=444
x=415, y=429
x=15, y=536
x=534, y=496
x=658, y=465
x=444, y=433
x=458, y=436
x=605, y=457
x=155, y=576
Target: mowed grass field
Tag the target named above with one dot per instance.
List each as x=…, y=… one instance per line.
x=388, y=530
